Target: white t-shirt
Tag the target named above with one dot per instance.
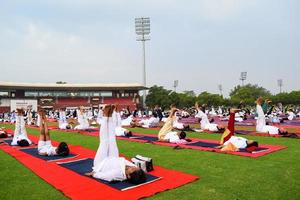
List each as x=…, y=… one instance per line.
x=112, y=169
x=238, y=142
x=172, y=137
x=46, y=147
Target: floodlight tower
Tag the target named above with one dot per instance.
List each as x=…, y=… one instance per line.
x=243, y=77
x=142, y=29
x=280, y=84
x=175, y=85
x=220, y=89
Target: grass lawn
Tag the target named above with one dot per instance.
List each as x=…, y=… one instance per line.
x=273, y=176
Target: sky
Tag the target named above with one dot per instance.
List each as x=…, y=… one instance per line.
x=200, y=43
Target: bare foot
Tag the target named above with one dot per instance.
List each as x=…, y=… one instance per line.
x=234, y=110
x=89, y=173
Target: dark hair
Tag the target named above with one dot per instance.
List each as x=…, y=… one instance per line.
x=154, y=114
x=182, y=135
x=68, y=126
x=137, y=177
x=62, y=149
x=3, y=135
x=253, y=144
x=128, y=134
x=23, y=143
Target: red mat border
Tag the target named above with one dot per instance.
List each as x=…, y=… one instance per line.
x=76, y=186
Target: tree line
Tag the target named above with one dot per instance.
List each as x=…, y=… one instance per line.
x=158, y=95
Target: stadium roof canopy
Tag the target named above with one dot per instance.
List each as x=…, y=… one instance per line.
x=69, y=86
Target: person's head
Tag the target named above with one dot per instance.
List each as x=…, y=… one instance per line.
x=172, y=106
x=23, y=143
x=259, y=100
x=128, y=133
x=251, y=145
x=68, y=126
x=62, y=149
x=182, y=135
x=135, y=175
x=20, y=111
x=154, y=114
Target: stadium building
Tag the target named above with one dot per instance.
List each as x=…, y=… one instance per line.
x=61, y=94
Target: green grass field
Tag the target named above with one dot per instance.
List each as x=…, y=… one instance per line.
x=222, y=176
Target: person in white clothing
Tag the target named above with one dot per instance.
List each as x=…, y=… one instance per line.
x=229, y=142
x=45, y=147
x=62, y=121
x=261, y=120
x=108, y=165
x=20, y=135
x=119, y=130
x=205, y=123
x=82, y=120
x=291, y=114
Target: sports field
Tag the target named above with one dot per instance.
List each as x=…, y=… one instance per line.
x=222, y=176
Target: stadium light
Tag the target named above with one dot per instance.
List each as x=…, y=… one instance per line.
x=175, y=85
x=142, y=29
x=280, y=84
x=220, y=89
x=243, y=77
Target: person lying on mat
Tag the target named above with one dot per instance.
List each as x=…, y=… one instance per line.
x=166, y=134
x=20, y=135
x=45, y=147
x=261, y=125
x=229, y=142
x=116, y=117
x=205, y=123
x=153, y=121
x=108, y=165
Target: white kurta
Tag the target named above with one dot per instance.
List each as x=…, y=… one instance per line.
x=127, y=121
x=20, y=131
x=151, y=122
x=62, y=121
x=112, y=169
x=261, y=123
x=46, y=147
x=172, y=137
x=82, y=120
x=205, y=124
x=238, y=142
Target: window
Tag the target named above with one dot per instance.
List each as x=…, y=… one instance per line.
x=2, y=93
x=106, y=94
x=45, y=94
x=31, y=94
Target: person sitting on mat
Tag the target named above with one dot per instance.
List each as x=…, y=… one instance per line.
x=152, y=122
x=45, y=147
x=166, y=134
x=119, y=130
x=229, y=142
x=20, y=135
x=205, y=123
x=62, y=120
x=108, y=165
x=82, y=120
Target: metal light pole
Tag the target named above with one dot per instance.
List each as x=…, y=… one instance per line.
x=280, y=84
x=142, y=29
x=175, y=85
x=243, y=77
x=220, y=89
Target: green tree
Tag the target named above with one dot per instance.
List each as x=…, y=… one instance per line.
x=248, y=93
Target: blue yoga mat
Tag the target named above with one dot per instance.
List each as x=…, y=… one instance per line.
x=214, y=145
x=8, y=141
x=83, y=166
x=34, y=152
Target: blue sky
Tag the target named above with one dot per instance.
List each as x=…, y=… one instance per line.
x=201, y=43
